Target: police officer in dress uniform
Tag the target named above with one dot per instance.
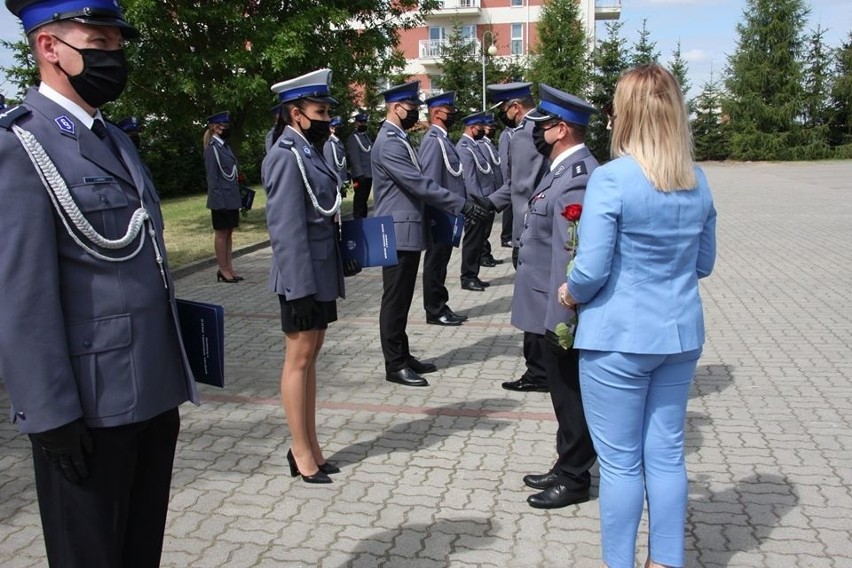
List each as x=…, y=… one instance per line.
x=560, y=128
x=479, y=181
x=335, y=155
x=527, y=167
x=270, y=136
x=132, y=127
x=488, y=149
x=359, y=148
x=505, y=167
x=90, y=350
x=307, y=269
x=440, y=162
x=402, y=192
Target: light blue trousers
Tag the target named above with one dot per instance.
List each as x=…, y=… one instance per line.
x=636, y=408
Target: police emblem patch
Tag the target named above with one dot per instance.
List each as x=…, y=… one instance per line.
x=350, y=245
x=65, y=124
x=559, y=171
x=307, y=151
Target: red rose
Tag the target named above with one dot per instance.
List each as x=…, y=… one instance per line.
x=572, y=212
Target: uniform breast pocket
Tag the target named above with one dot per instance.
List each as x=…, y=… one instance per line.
x=102, y=358
x=105, y=205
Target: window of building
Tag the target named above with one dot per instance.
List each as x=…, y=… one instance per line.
x=516, y=3
x=517, y=39
x=437, y=32
x=468, y=32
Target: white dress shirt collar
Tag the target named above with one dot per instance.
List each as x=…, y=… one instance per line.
x=69, y=105
x=564, y=155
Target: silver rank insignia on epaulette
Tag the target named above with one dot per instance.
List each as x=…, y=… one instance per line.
x=307, y=151
x=579, y=169
x=390, y=132
x=559, y=171
x=10, y=115
x=285, y=143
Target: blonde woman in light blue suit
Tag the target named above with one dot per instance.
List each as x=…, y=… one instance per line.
x=646, y=237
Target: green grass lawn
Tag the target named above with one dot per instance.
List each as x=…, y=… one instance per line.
x=189, y=232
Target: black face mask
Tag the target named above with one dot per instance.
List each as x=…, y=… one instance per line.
x=225, y=134
x=411, y=118
x=450, y=119
x=478, y=135
x=362, y=128
x=103, y=77
x=318, y=132
x=542, y=146
x=504, y=118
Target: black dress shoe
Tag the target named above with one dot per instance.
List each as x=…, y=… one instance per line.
x=473, y=286
x=319, y=477
x=487, y=262
x=496, y=260
x=328, y=468
x=483, y=283
x=540, y=482
x=525, y=385
x=421, y=368
x=443, y=319
x=454, y=314
x=506, y=244
x=557, y=496
x=406, y=377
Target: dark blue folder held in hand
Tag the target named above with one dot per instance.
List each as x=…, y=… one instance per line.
x=202, y=327
x=444, y=227
x=370, y=241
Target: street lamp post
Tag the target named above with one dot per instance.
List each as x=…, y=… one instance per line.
x=492, y=50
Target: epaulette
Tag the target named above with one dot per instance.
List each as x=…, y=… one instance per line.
x=285, y=143
x=9, y=116
x=391, y=132
x=579, y=169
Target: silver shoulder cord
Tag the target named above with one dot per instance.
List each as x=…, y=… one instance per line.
x=340, y=164
x=231, y=176
x=67, y=209
x=475, y=161
x=450, y=170
x=494, y=159
x=337, y=200
x=411, y=153
x=363, y=149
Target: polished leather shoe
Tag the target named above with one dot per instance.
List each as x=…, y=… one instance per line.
x=496, y=260
x=540, y=482
x=506, y=244
x=421, y=368
x=406, y=377
x=454, y=314
x=483, y=283
x=487, y=262
x=557, y=496
x=328, y=468
x=473, y=286
x=443, y=319
x=525, y=385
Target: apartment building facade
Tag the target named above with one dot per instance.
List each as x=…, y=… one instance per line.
x=508, y=25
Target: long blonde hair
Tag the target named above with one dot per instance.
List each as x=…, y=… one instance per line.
x=208, y=134
x=651, y=124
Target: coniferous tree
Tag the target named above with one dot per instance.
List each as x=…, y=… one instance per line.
x=680, y=70
x=644, y=50
x=709, y=132
x=764, y=81
x=560, y=56
x=24, y=73
x=610, y=59
x=461, y=70
x=840, y=121
x=817, y=88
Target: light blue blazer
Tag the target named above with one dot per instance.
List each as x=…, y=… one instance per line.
x=640, y=256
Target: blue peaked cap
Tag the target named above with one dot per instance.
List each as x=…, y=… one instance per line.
x=489, y=119
x=503, y=92
x=129, y=124
x=219, y=118
x=313, y=85
x=335, y=121
x=476, y=118
x=407, y=92
x=443, y=99
x=362, y=117
x=36, y=13
x=564, y=106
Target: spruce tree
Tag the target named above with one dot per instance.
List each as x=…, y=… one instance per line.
x=709, y=132
x=764, y=81
x=679, y=69
x=560, y=56
x=840, y=121
x=817, y=88
x=644, y=50
x=461, y=71
x=610, y=59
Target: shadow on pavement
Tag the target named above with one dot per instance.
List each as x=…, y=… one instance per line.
x=711, y=379
x=481, y=350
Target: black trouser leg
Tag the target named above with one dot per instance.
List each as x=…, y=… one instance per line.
x=472, y=243
x=506, y=233
x=117, y=516
x=398, y=290
x=515, y=252
x=574, y=448
x=534, y=348
x=362, y=194
x=435, y=293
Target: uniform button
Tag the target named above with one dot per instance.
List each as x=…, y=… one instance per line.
x=21, y=415
x=87, y=344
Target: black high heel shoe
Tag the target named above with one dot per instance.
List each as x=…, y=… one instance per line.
x=238, y=278
x=221, y=278
x=328, y=468
x=319, y=477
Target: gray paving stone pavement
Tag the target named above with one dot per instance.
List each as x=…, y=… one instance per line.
x=432, y=477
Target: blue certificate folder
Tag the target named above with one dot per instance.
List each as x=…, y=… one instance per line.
x=202, y=327
x=445, y=227
x=370, y=241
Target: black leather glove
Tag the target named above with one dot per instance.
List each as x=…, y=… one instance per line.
x=305, y=311
x=66, y=448
x=485, y=203
x=473, y=212
x=351, y=267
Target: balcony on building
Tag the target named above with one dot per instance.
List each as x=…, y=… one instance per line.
x=432, y=50
x=454, y=8
x=607, y=9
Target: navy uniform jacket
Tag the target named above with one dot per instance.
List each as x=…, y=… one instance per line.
x=493, y=154
x=359, y=150
x=222, y=193
x=306, y=256
x=543, y=257
x=431, y=155
x=474, y=161
x=402, y=191
x=503, y=153
x=80, y=336
x=268, y=141
x=335, y=157
x=526, y=169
